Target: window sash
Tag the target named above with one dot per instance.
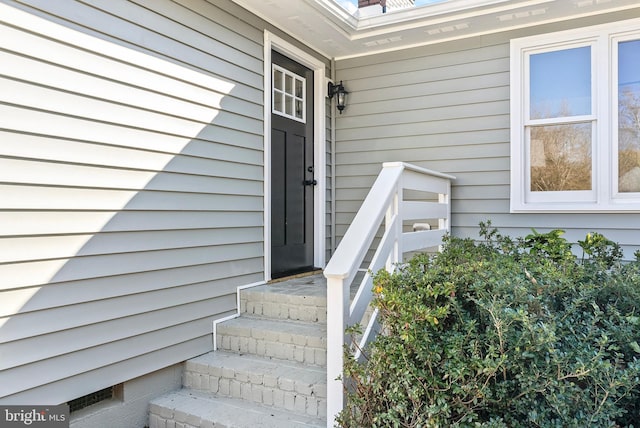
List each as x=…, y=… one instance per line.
x=558, y=120
x=536, y=160
x=562, y=82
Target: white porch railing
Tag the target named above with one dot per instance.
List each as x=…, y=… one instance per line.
x=401, y=193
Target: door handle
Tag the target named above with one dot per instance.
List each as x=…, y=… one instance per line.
x=310, y=182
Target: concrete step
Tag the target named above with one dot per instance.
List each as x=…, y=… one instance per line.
x=286, y=385
x=189, y=409
x=303, y=299
x=285, y=340
x=268, y=370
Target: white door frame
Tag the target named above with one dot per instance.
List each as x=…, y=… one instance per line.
x=271, y=41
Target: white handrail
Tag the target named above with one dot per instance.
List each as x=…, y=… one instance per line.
x=385, y=201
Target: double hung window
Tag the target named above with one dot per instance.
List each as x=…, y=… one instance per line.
x=575, y=120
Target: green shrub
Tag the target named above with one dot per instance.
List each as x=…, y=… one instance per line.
x=503, y=333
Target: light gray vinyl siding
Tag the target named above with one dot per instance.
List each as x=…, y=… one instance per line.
x=131, y=186
x=446, y=107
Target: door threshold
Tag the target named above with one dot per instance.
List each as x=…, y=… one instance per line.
x=294, y=276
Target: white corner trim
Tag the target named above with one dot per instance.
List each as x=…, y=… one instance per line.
x=236, y=315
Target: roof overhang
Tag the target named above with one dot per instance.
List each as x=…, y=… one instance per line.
x=336, y=33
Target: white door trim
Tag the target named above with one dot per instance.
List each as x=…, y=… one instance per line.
x=271, y=41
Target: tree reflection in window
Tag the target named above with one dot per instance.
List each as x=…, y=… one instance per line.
x=561, y=157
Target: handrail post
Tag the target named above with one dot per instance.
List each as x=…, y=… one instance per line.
x=336, y=322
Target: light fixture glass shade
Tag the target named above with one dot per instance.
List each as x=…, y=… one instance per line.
x=341, y=101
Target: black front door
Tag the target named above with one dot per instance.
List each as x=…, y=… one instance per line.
x=292, y=177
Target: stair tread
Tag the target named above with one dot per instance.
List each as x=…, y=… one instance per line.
x=264, y=365
x=232, y=413
x=287, y=293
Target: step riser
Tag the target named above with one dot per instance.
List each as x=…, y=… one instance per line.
x=299, y=352
x=262, y=303
x=283, y=310
x=283, y=394
x=156, y=421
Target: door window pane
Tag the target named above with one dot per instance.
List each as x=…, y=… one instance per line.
x=299, y=88
x=288, y=84
x=299, y=109
x=560, y=157
x=288, y=94
x=629, y=116
x=278, y=102
x=277, y=79
x=560, y=83
x=288, y=107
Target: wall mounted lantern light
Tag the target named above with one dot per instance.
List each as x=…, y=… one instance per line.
x=341, y=93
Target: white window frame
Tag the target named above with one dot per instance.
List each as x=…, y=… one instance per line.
x=603, y=197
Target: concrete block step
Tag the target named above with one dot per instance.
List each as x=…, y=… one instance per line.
x=264, y=381
x=194, y=409
x=286, y=340
x=282, y=301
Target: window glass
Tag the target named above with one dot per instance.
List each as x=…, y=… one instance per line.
x=288, y=106
x=278, y=77
x=288, y=84
x=560, y=83
x=629, y=116
x=278, y=103
x=299, y=88
x=560, y=157
x=299, y=109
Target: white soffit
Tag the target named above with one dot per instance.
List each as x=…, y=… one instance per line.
x=334, y=32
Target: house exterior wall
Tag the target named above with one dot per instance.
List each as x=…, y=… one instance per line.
x=130, y=406
x=446, y=107
x=132, y=183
